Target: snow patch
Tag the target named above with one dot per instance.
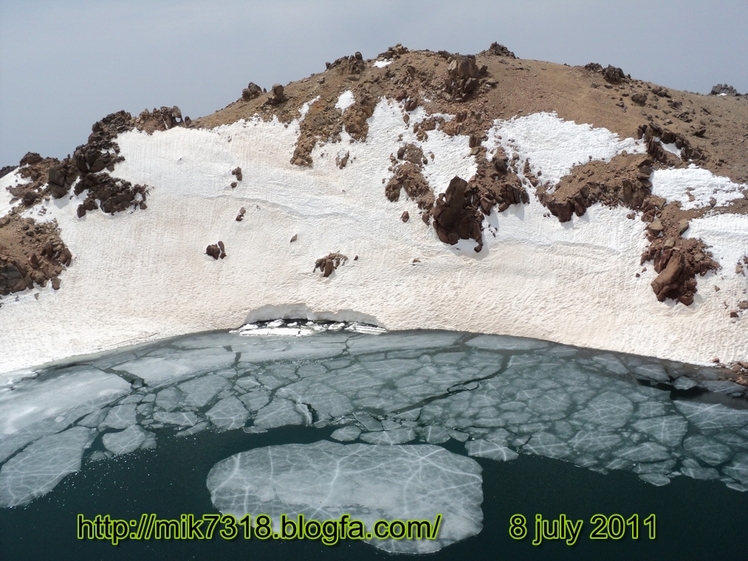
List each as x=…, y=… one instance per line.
x=702, y=184
x=554, y=146
x=345, y=100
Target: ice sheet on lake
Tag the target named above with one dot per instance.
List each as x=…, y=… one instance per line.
x=324, y=480
x=500, y=396
x=42, y=465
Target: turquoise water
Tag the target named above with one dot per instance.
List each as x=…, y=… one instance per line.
x=554, y=430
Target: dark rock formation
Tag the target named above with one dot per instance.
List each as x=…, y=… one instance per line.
x=613, y=75
x=109, y=193
x=500, y=50
x=350, y=64
x=329, y=263
x=723, y=89
x=252, y=91
x=393, y=53
x=216, y=250
x=455, y=218
x=464, y=77
x=161, y=119
x=276, y=95
x=5, y=170
x=61, y=177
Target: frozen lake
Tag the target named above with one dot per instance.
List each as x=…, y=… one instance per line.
x=404, y=425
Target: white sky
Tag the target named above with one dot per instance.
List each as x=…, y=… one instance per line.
x=66, y=64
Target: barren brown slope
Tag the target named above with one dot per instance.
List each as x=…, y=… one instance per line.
x=715, y=126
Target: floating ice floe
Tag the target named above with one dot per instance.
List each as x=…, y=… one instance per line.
x=325, y=480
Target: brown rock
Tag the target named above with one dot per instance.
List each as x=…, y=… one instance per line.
x=329, y=263
x=405, y=216
x=656, y=226
x=251, y=92
x=213, y=250
x=277, y=96
x=613, y=74
x=668, y=279
x=294, y=238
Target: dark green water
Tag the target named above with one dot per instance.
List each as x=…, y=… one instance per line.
x=695, y=519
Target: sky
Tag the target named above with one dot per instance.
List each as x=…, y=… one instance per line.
x=65, y=64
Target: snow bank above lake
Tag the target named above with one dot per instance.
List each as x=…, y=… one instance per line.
x=144, y=275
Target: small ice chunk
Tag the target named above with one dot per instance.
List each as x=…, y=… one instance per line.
x=126, y=441
x=698, y=472
x=551, y=404
x=645, y=452
x=594, y=441
x=608, y=409
x=255, y=400
x=653, y=372
x=324, y=480
x=668, y=430
x=201, y=391
x=707, y=449
x=656, y=479
x=120, y=417
x=389, y=437
x=711, y=416
x=177, y=418
x=199, y=427
x=170, y=398
x=346, y=434
x=546, y=444
x=42, y=465
x=738, y=468
x=279, y=413
x=610, y=363
x=228, y=414
x=684, y=383
x=487, y=449
x=435, y=435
